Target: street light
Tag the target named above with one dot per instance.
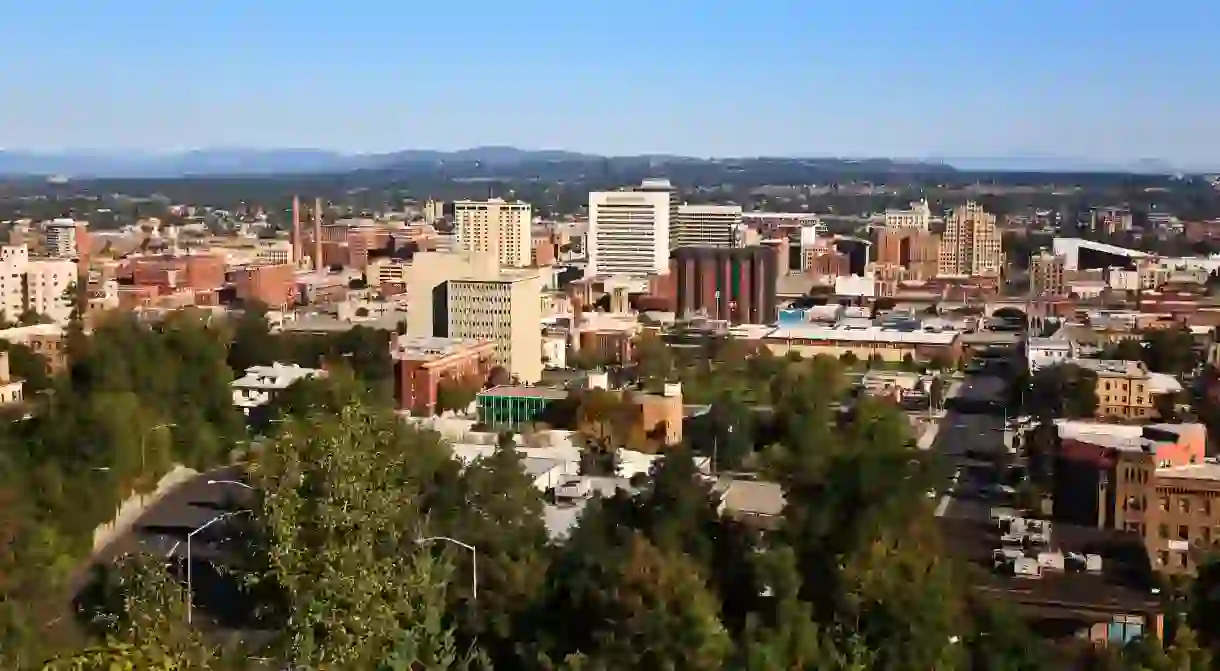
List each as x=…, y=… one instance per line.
x=231, y=482
x=474, y=560
x=190, y=573
x=144, y=437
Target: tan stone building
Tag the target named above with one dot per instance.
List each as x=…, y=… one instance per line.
x=971, y=243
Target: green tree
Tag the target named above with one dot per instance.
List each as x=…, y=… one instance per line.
x=1065, y=390
x=455, y=395
x=652, y=359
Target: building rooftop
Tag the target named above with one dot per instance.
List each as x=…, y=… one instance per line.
x=428, y=348
x=861, y=334
x=1113, y=367
x=521, y=391
x=1205, y=471
x=275, y=376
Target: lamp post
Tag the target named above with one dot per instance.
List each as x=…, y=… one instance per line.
x=144, y=438
x=474, y=560
x=190, y=573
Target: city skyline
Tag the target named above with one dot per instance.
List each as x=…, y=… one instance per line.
x=943, y=79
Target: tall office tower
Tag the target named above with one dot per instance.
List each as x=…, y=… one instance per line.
x=706, y=225
x=738, y=285
x=916, y=251
x=466, y=295
x=918, y=217
x=317, y=235
x=66, y=239
x=496, y=227
x=629, y=232
x=666, y=187
x=971, y=243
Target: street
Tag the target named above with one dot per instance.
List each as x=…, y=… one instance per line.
x=965, y=440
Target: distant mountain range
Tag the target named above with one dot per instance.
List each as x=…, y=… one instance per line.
x=266, y=162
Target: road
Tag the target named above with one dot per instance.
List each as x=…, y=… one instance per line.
x=961, y=439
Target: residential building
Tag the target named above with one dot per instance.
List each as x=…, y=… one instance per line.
x=1043, y=352
x=706, y=225
x=1046, y=274
x=13, y=262
x=466, y=295
x=629, y=232
x=971, y=243
x=261, y=384
x=1124, y=388
x=46, y=340
x=918, y=217
x=422, y=363
x=50, y=285
x=434, y=211
x=1112, y=220
x=738, y=285
x=496, y=227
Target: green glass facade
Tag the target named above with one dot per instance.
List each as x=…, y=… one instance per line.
x=510, y=411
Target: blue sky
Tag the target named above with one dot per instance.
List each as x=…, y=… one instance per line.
x=1105, y=80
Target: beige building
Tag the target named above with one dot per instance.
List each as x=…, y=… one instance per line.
x=1046, y=272
x=629, y=232
x=385, y=270
x=48, y=286
x=466, y=295
x=918, y=217
x=13, y=262
x=10, y=388
x=970, y=245
x=706, y=225
x=1124, y=388
x=496, y=227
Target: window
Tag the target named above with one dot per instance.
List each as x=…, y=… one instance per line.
x=1206, y=507
x=1164, y=531
x=1205, y=533
x=1164, y=504
x=1183, y=532
x=1183, y=560
x=1184, y=505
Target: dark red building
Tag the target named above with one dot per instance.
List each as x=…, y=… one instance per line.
x=737, y=285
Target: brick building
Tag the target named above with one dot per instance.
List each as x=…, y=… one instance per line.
x=914, y=250
x=734, y=284
x=272, y=285
x=423, y=362
x=169, y=272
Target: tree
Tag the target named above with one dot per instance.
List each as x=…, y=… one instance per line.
x=498, y=376
x=849, y=359
x=1065, y=390
x=653, y=360
x=456, y=395
x=335, y=539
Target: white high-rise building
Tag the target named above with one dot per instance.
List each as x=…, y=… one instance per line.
x=971, y=243
x=13, y=262
x=629, y=232
x=706, y=225
x=918, y=217
x=48, y=284
x=496, y=227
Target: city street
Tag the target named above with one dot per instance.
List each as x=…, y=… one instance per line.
x=964, y=440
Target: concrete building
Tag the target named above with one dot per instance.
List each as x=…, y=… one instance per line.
x=629, y=232
x=466, y=295
x=706, y=225
x=864, y=341
x=261, y=384
x=496, y=227
x=1046, y=274
x=918, y=217
x=66, y=238
x=971, y=243
x=13, y=262
x=1124, y=388
x=738, y=285
x=422, y=363
x=49, y=288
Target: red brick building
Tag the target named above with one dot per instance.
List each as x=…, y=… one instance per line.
x=168, y=272
x=734, y=284
x=422, y=363
x=273, y=284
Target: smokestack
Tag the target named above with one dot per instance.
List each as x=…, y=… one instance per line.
x=296, y=231
x=317, y=235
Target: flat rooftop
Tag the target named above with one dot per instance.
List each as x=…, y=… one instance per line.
x=521, y=391
x=430, y=347
x=861, y=334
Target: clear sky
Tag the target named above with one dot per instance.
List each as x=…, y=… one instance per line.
x=1097, y=79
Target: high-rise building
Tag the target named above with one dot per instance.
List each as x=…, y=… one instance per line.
x=497, y=227
x=657, y=185
x=1046, y=274
x=13, y=262
x=62, y=238
x=971, y=243
x=914, y=250
x=707, y=225
x=49, y=284
x=466, y=295
x=629, y=232
x=738, y=285
x=918, y=217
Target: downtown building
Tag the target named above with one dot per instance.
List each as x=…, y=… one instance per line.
x=495, y=227
x=737, y=285
x=707, y=226
x=970, y=246
x=629, y=232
